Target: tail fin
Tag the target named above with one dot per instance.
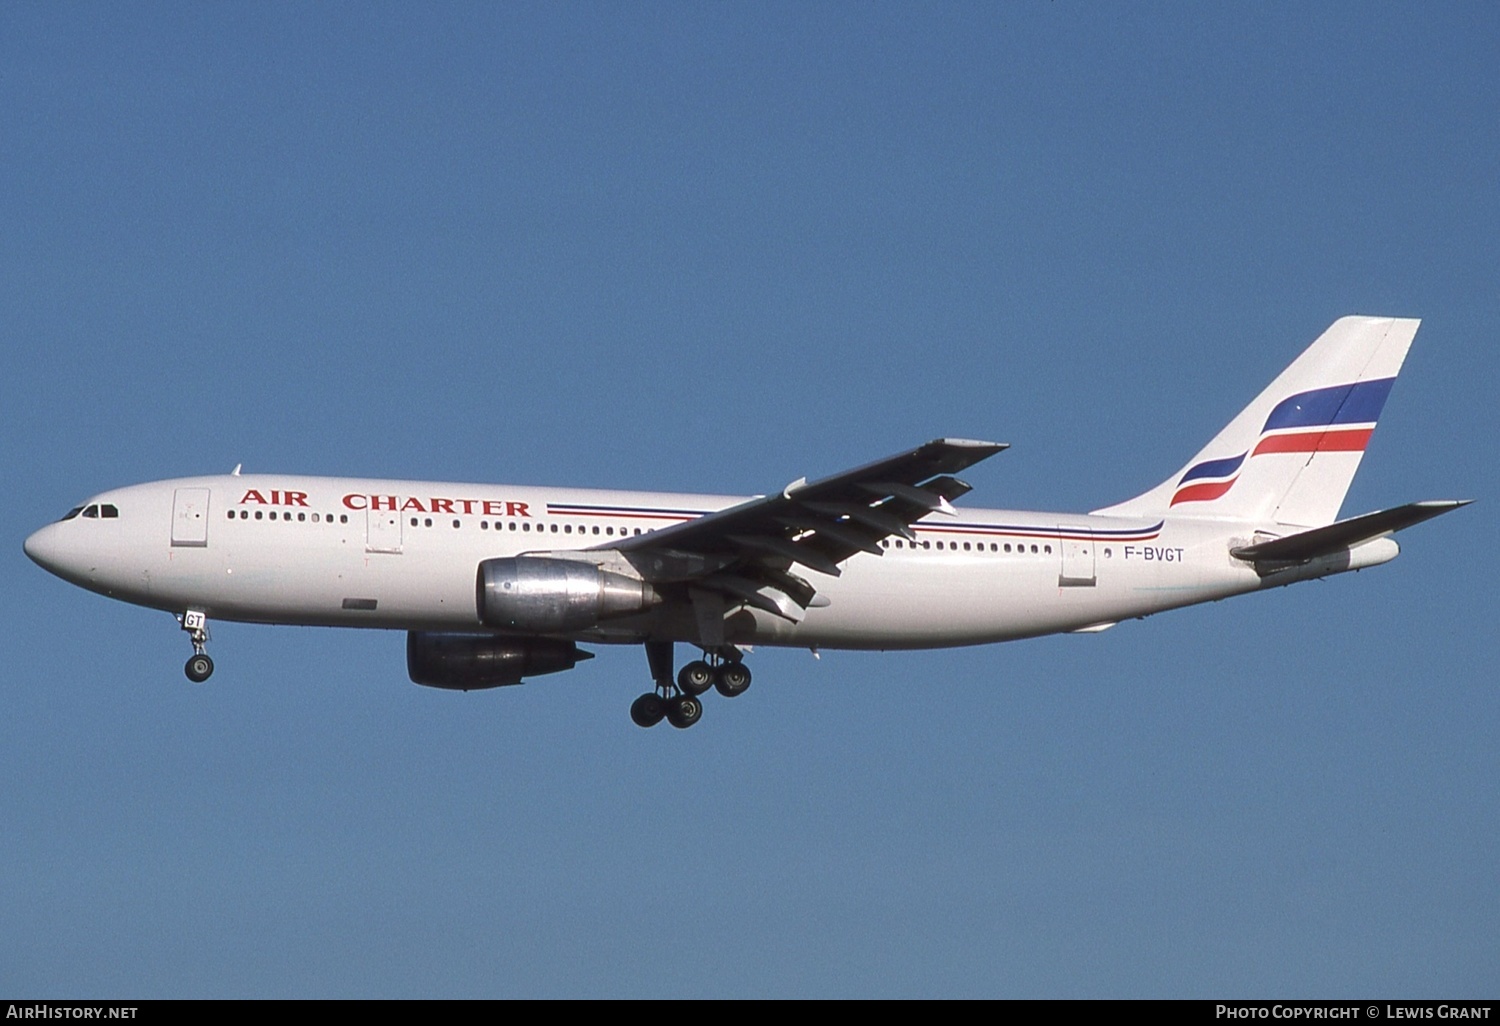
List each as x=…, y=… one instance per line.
x=1290, y=456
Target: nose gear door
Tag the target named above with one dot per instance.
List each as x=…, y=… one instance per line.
x=190, y=517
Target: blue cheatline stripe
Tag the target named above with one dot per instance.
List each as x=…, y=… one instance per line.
x=1214, y=468
x=1359, y=403
x=1118, y=534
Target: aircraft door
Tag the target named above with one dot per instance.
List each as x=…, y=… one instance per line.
x=1077, y=559
x=382, y=530
x=190, y=517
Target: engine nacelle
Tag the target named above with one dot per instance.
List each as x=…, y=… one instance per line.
x=549, y=596
x=468, y=662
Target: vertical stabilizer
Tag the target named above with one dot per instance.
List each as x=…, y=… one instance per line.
x=1290, y=455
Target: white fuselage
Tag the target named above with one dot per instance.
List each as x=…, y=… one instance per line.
x=403, y=554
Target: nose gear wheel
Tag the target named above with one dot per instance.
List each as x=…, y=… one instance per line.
x=200, y=667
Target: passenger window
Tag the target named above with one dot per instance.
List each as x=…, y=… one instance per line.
x=455, y=523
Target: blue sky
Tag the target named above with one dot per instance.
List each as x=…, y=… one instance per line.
x=717, y=248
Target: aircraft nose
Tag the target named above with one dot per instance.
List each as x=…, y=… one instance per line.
x=44, y=549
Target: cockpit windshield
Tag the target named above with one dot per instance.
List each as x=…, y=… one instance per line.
x=94, y=511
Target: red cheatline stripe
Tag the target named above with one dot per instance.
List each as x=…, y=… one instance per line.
x=563, y=512
x=1343, y=440
x=1202, y=492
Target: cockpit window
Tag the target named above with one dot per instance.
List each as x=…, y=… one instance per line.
x=95, y=510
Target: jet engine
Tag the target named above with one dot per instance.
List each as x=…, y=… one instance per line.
x=538, y=595
x=468, y=662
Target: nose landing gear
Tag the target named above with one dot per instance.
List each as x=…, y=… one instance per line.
x=200, y=667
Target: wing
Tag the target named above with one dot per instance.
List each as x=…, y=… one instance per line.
x=752, y=553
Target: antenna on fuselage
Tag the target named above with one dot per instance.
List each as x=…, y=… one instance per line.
x=236, y=471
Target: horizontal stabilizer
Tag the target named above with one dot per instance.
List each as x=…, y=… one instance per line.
x=1323, y=541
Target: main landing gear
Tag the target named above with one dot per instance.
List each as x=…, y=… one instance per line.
x=200, y=667
x=676, y=700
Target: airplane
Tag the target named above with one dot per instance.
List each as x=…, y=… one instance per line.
x=497, y=583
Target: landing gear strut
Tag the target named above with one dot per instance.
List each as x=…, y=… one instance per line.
x=200, y=667
x=676, y=699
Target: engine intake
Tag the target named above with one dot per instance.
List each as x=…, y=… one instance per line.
x=468, y=662
x=547, y=596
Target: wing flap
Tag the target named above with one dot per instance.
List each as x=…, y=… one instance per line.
x=793, y=552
